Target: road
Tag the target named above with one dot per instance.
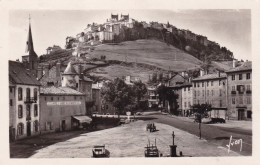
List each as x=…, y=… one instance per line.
x=213, y=134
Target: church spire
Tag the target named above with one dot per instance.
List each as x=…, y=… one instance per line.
x=29, y=43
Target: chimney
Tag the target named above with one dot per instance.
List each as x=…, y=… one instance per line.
x=58, y=64
x=201, y=72
x=234, y=63
x=46, y=69
x=39, y=72
x=183, y=74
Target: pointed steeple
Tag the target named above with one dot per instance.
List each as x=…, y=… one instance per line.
x=29, y=43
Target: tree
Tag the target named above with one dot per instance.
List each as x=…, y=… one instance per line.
x=167, y=94
x=201, y=111
x=140, y=90
x=119, y=94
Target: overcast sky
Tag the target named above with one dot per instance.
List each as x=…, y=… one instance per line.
x=230, y=28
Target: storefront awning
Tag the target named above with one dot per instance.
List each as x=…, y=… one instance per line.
x=83, y=119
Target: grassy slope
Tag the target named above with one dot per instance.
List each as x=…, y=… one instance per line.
x=150, y=52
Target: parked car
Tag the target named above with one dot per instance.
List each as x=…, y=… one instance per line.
x=217, y=120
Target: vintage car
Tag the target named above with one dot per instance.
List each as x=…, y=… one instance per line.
x=100, y=152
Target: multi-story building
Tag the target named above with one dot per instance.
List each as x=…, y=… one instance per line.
x=24, y=102
x=187, y=98
x=61, y=109
x=239, y=91
x=153, y=97
x=211, y=89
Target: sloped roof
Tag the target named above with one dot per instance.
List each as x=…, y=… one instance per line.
x=18, y=74
x=51, y=77
x=244, y=67
x=211, y=76
x=70, y=69
x=59, y=91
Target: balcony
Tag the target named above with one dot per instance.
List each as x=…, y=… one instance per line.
x=248, y=92
x=30, y=100
x=233, y=92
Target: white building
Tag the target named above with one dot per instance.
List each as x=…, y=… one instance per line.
x=24, y=102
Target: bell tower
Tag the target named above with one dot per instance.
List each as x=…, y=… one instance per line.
x=31, y=58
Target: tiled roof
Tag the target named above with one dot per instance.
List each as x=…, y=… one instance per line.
x=244, y=67
x=70, y=69
x=59, y=91
x=211, y=76
x=18, y=74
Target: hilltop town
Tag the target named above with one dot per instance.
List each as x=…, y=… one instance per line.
x=125, y=68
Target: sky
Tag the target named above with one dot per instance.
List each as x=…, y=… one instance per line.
x=229, y=28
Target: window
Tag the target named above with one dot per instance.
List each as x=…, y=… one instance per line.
x=20, y=93
x=207, y=83
x=185, y=104
x=207, y=92
x=188, y=88
x=220, y=92
x=240, y=76
x=36, y=126
x=58, y=98
x=195, y=94
x=10, y=89
x=202, y=84
x=63, y=98
x=28, y=110
x=248, y=87
x=11, y=102
x=198, y=84
x=20, y=111
x=20, y=129
x=184, y=89
x=240, y=100
x=45, y=98
x=35, y=94
x=51, y=98
x=212, y=92
x=28, y=93
x=203, y=93
x=220, y=103
x=248, y=100
x=248, y=75
x=77, y=85
x=75, y=97
x=211, y=83
x=240, y=89
x=194, y=85
x=35, y=110
x=233, y=77
x=219, y=82
x=106, y=106
x=189, y=104
x=198, y=93
x=233, y=100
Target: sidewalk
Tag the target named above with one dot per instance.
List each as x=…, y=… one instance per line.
x=129, y=141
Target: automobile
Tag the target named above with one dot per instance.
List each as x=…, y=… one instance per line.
x=217, y=120
x=138, y=113
x=100, y=152
x=107, y=113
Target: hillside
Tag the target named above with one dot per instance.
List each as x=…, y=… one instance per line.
x=140, y=59
x=150, y=52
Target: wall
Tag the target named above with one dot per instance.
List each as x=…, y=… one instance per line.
x=187, y=100
x=54, y=111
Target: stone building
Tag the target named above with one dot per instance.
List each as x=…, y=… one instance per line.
x=61, y=109
x=187, y=98
x=24, y=102
x=211, y=89
x=239, y=91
